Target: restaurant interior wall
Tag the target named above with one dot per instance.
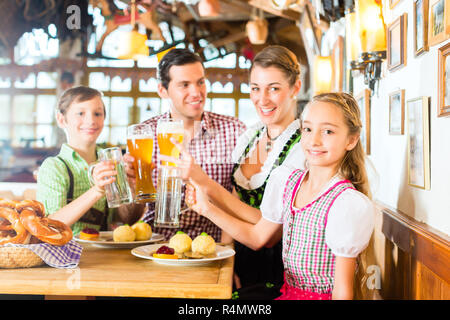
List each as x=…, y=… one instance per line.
x=389, y=152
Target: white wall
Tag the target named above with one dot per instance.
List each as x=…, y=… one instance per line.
x=389, y=152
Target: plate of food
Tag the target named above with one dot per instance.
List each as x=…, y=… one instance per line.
x=181, y=250
x=122, y=237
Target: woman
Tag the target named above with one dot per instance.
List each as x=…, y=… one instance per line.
x=273, y=141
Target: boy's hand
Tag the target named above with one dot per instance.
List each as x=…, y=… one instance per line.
x=104, y=173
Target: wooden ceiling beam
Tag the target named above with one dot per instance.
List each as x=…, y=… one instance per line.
x=266, y=6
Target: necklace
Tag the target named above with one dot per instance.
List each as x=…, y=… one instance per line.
x=270, y=141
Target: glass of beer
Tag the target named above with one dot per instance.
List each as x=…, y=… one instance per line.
x=140, y=146
x=166, y=129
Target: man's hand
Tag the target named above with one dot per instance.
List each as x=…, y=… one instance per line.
x=129, y=169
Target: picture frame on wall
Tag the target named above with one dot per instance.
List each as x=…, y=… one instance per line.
x=363, y=100
x=418, y=142
x=397, y=112
x=337, y=61
x=420, y=23
x=396, y=43
x=439, y=21
x=444, y=81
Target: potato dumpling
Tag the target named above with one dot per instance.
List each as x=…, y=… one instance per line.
x=204, y=244
x=142, y=230
x=124, y=234
x=180, y=242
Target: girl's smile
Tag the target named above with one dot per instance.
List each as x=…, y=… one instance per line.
x=325, y=136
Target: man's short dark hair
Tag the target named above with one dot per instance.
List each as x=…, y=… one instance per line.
x=175, y=57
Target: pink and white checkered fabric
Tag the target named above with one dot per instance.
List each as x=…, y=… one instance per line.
x=308, y=261
x=212, y=148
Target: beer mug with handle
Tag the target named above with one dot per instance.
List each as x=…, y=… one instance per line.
x=118, y=192
x=140, y=146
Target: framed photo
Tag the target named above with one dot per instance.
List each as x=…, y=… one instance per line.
x=396, y=43
x=363, y=100
x=444, y=81
x=420, y=26
x=393, y=3
x=418, y=143
x=397, y=112
x=337, y=62
x=439, y=22
x=310, y=38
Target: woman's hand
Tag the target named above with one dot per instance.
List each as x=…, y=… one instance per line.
x=189, y=169
x=196, y=199
x=104, y=173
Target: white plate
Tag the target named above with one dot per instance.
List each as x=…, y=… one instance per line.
x=144, y=252
x=105, y=240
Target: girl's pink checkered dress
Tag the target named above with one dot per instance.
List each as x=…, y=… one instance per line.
x=308, y=261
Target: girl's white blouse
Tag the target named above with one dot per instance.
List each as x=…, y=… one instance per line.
x=294, y=159
x=350, y=219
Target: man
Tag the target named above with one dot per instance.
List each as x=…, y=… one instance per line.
x=209, y=137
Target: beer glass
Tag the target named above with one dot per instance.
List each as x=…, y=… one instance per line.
x=140, y=146
x=166, y=129
x=168, y=200
x=118, y=192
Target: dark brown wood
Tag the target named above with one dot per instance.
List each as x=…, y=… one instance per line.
x=416, y=258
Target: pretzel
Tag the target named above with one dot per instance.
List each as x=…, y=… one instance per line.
x=5, y=203
x=21, y=236
x=47, y=230
x=5, y=225
x=31, y=204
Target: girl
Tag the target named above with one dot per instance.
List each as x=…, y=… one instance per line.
x=274, y=84
x=327, y=218
x=63, y=184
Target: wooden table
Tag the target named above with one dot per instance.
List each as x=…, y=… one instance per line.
x=116, y=272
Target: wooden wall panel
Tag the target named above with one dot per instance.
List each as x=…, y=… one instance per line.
x=413, y=258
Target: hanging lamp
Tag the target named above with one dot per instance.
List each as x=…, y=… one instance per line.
x=132, y=43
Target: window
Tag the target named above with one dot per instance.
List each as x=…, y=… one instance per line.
x=247, y=112
x=27, y=104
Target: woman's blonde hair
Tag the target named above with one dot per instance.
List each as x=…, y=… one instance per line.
x=353, y=164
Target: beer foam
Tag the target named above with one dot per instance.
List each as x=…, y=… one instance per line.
x=139, y=136
x=170, y=127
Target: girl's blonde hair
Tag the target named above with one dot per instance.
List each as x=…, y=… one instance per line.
x=353, y=164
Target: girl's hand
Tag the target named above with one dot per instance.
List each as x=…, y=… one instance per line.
x=103, y=174
x=189, y=169
x=196, y=199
